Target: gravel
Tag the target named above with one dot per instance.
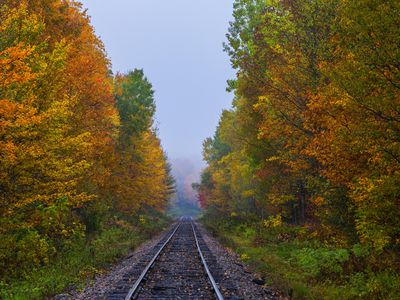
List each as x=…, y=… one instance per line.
x=105, y=283
x=178, y=272
x=235, y=279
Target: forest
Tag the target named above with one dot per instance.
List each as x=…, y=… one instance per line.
x=303, y=172
x=81, y=165
x=302, y=175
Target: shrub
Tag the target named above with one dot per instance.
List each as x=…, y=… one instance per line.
x=22, y=252
x=383, y=285
x=322, y=261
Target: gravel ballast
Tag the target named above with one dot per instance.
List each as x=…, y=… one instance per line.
x=234, y=278
x=236, y=275
x=103, y=284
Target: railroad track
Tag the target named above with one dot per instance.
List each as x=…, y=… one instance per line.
x=176, y=269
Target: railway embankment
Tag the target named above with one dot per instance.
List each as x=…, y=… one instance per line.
x=183, y=262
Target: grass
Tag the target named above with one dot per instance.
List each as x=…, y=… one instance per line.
x=76, y=267
x=304, y=269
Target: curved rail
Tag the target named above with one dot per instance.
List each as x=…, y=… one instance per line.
x=210, y=277
x=135, y=287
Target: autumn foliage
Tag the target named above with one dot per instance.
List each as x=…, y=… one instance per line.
x=313, y=135
x=76, y=143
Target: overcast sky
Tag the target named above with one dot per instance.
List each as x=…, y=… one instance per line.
x=178, y=43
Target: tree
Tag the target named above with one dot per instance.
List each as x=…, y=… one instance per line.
x=358, y=143
x=41, y=162
x=142, y=176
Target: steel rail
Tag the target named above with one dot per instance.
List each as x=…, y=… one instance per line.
x=135, y=287
x=210, y=277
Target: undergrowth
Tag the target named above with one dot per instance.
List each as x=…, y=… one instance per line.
x=302, y=267
x=74, y=267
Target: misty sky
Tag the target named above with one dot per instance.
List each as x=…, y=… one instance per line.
x=178, y=43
